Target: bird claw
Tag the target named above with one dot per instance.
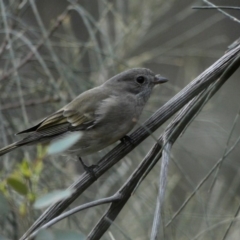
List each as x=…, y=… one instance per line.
x=89, y=169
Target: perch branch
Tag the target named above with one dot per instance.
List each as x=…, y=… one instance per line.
x=155, y=121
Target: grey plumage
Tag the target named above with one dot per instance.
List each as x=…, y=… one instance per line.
x=103, y=114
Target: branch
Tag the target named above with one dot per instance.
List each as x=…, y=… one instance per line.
x=199, y=103
x=162, y=187
x=155, y=121
x=170, y=135
x=216, y=7
x=220, y=10
x=113, y=198
x=126, y=192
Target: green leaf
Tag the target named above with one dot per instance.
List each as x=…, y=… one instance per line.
x=4, y=207
x=69, y=235
x=45, y=235
x=64, y=143
x=52, y=197
x=25, y=169
x=38, y=167
x=18, y=185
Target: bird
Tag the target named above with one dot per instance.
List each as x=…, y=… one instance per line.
x=103, y=115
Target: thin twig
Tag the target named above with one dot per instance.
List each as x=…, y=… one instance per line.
x=217, y=225
x=111, y=199
x=51, y=51
x=162, y=188
x=201, y=183
x=223, y=12
x=199, y=104
x=231, y=223
x=217, y=7
x=14, y=63
x=225, y=150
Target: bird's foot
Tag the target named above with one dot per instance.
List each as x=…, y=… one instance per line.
x=88, y=169
x=126, y=139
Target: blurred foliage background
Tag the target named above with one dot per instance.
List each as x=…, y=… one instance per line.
x=51, y=51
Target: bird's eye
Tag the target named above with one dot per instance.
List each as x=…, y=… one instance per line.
x=140, y=79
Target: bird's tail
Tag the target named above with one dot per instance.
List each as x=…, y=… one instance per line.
x=8, y=148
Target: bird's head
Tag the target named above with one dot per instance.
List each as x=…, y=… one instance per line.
x=138, y=81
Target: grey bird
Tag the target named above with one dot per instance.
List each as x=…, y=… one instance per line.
x=104, y=114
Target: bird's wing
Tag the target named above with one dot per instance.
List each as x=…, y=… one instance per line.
x=79, y=114
x=61, y=122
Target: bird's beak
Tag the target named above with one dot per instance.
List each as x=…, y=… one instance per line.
x=158, y=79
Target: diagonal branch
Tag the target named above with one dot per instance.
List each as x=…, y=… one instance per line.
x=170, y=135
x=155, y=121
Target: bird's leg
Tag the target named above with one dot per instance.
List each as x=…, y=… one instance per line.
x=88, y=169
x=126, y=139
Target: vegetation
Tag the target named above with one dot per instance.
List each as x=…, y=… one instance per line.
x=53, y=50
